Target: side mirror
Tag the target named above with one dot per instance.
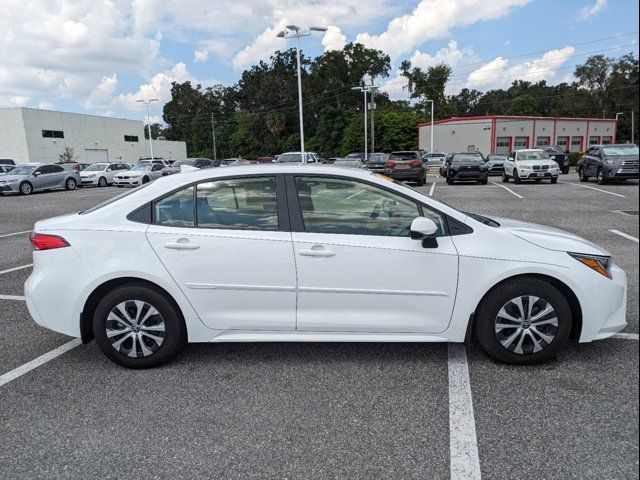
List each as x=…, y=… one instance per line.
x=36, y=174
x=424, y=229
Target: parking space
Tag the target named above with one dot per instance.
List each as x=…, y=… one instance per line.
x=326, y=410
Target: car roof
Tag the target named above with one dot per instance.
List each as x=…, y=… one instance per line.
x=530, y=150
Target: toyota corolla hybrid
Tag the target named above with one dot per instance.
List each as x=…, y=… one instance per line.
x=305, y=253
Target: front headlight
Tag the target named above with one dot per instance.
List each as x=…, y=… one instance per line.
x=611, y=162
x=598, y=263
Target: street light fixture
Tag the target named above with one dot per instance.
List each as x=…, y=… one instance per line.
x=618, y=114
x=148, y=101
x=294, y=31
x=365, y=89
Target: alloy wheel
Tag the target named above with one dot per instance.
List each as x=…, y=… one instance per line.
x=526, y=325
x=71, y=184
x=135, y=328
x=25, y=188
x=102, y=182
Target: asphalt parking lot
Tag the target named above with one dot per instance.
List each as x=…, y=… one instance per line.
x=326, y=410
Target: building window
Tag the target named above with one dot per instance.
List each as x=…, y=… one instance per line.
x=521, y=142
x=503, y=145
x=130, y=138
x=594, y=140
x=607, y=140
x=576, y=144
x=542, y=141
x=52, y=133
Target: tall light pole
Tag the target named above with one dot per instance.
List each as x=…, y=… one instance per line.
x=432, y=109
x=365, y=89
x=148, y=101
x=294, y=31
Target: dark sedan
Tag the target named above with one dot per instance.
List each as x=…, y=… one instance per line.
x=558, y=155
x=190, y=162
x=406, y=165
x=495, y=163
x=466, y=167
x=609, y=162
x=377, y=162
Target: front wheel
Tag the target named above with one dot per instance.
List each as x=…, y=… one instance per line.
x=70, y=184
x=601, y=177
x=523, y=321
x=145, y=180
x=516, y=177
x=138, y=327
x=565, y=170
x=554, y=181
x=26, y=188
x=102, y=182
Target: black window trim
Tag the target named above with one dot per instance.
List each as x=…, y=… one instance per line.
x=281, y=203
x=297, y=222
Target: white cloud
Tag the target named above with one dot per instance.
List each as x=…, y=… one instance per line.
x=499, y=74
x=262, y=47
x=333, y=39
x=200, y=56
x=434, y=19
x=589, y=11
x=103, y=94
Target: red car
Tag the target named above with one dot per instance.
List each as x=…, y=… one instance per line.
x=406, y=165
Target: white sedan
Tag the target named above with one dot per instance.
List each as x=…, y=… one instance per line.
x=139, y=174
x=530, y=164
x=305, y=253
x=101, y=174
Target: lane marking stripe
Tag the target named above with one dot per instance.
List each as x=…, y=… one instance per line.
x=625, y=235
x=16, y=268
x=592, y=188
x=626, y=336
x=16, y=233
x=13, y=297
x=507, y=189
x=433, y=187
x=463, y=446
x=41, y=360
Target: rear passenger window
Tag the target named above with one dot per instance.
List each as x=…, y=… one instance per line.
x=175, y=210
x=238, y=203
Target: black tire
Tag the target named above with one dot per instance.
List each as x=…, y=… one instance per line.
x=505, y=177
x=174, y=334
x=145, y=180
x=582, y=175
x=70, y=184
x=501, y=296
x=516, y=177
x=449, y=181
x=26, y=188
x=565, y=170
x=421, y=181
x=102, y=182
x=601, y=177
x=484, y=181
x=554, y=181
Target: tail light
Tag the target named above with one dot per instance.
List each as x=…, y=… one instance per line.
x=415, y=163
x=390, y=164
x=47, y=242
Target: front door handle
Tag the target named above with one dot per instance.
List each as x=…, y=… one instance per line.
x=181, y=244
x=317, y=251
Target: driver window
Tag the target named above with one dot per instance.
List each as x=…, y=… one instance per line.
x=348, y=207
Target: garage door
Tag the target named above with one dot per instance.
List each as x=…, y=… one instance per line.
x=94, y=155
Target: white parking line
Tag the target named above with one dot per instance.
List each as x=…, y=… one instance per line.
x=15, y=233
x=433, y=187
x=13, y=297
x=507, y=189
x=625, y=235
x=94, y=194
x=463, y=446
x=16, y=268
x=592, y=188
x=626, y=336
x=41, y=360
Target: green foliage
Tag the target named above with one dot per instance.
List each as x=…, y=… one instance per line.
x=67, y=155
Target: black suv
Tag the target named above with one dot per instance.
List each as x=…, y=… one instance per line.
x=609, y=162
x=465, y=167
x=558, y=155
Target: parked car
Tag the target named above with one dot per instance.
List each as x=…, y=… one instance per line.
x=295, y=157
x=139, y=174
x=558, y=155
x=349, y=163
x=465, y=167
x=158, y=160
x=356, y=155
x=6, y=169
x=433, y=159
x=406, y=165
x=101, y=174
x=142, y=276
x=530, y=164
x=495, y=163
x=377, y=162
x=75, y=166
x=266, y=159
x=191, y=162
x=617, y=162
x=36, y=177
x=240, y=162
x=7, y=161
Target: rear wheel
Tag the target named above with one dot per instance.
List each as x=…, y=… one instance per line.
x=484, y=181
x=582, y=175
x=523, y=321
x=422, y=180
x=137, y=327
x=565, y=170
x=70, y=184
x=26, y=188
x=554, y=181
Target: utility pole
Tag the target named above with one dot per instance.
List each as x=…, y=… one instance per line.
x=294, y=31
x=365, y=89
x=633, y=127
x=148, y=101
x=213, y=134
x=373, y=118
x=431, y=149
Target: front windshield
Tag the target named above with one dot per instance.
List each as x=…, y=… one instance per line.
x=468, y=157
x=289, y=158
x=186, y=161
x=621, y=150
x=141, y=167
x=23, y=170
x=533, y=155
x=96, y=167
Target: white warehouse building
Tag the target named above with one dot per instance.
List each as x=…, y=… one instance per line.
x=34, y=135
x=501, y=134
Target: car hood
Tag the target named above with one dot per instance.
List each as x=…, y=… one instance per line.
x=495, y=162
x=531, y=163
x=127, y=173
x=84, y=173
x=466, y=164
x=622, y=158
x=13, y=178
x=550, y=238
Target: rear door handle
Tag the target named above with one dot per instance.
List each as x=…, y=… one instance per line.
x=316, y=251
x=181, y=244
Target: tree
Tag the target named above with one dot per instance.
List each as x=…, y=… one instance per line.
x=156, y=130
x=67, y=155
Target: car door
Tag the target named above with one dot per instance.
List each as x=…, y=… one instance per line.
x=510, y=163
x=231, y=255
x=58, y=176
x=44, y=178
x=358, y=268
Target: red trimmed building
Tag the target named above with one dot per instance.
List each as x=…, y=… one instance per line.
x=501, y=134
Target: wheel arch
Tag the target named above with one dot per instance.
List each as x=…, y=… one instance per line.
x=92, y=301
x=563, y=288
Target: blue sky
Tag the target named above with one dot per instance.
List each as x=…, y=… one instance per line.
x=99, y=56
